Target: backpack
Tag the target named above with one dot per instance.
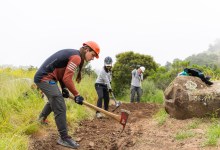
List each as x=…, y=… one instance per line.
x=198, y=73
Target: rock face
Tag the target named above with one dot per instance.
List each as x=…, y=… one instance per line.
x=188, y=97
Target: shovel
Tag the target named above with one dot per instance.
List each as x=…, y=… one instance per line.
x=117, y=103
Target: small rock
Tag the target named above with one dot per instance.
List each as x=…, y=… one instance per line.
x=91, y=144
x=78, y=139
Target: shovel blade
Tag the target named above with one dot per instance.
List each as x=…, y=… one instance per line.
x=117, y=103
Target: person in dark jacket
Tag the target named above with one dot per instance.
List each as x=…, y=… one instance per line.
x=103, y=85
x=61, y=67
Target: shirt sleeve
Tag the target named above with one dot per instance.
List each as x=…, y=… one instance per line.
x=133, y=73
x=105, y=78
x=70, y=70
x=142, y=77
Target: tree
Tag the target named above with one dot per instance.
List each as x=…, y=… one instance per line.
x=164, y=75
x=204, y=59
x=125, y=63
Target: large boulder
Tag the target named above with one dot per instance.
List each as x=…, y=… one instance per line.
x=188, y=96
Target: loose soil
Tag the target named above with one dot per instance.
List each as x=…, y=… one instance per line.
x=142, y=132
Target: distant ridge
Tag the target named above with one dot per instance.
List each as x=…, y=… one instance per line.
x=210, y=58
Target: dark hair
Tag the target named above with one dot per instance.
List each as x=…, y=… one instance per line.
x=107, y=69
x=82, y=55
x=79, y=75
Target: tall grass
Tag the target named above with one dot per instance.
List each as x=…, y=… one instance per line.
x=75, y=112
x=150, y=93
x=20, y=106
x=16, y=110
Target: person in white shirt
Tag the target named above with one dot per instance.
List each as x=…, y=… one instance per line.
x=137, y=77
x=103, y=85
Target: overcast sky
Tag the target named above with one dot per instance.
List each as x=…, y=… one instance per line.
x=30, y=31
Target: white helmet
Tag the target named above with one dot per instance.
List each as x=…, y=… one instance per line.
x=142, y=68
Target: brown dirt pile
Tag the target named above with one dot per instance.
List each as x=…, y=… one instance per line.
x=102, y=133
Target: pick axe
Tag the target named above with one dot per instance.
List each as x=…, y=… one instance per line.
x=122, y=119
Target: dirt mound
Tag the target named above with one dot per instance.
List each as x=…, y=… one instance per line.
x=102, y=133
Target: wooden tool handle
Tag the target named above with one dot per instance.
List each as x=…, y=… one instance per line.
x=114, y=116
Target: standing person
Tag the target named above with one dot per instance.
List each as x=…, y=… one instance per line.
x=103, y=86
x=137, y=77
x=61, y=67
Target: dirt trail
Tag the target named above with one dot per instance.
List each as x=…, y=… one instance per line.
x=142, y=132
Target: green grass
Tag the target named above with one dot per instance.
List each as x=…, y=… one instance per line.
x=161, y=116
x=194, y=124
x=184, y=135
x=13, y=142
x=213, y=135
x=17, y=110
x=210, y=125
x=151, y=93
x=20, y=106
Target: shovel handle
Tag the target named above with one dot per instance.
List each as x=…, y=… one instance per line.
x=114, y=116
x=113, y=95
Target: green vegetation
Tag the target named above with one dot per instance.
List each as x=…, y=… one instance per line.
x=125, y=63
x=194, y=124
x=150, y=93
x=209, y=58
x=156, y=78
x=184, y=135
x=213, y=134
x=17, y=108
x=161, y=117
x=21, y=105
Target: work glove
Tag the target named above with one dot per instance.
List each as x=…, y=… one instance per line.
x=110, y=90
x=65, y=93
x=79, y=99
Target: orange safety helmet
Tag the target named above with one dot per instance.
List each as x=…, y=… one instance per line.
x=94, y=46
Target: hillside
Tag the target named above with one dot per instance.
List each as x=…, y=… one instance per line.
x=209, y=57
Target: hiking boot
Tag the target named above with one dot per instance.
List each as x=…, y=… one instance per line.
x=98, y=115
x=68, y=142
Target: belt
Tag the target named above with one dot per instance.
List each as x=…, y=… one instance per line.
x=100, y=84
